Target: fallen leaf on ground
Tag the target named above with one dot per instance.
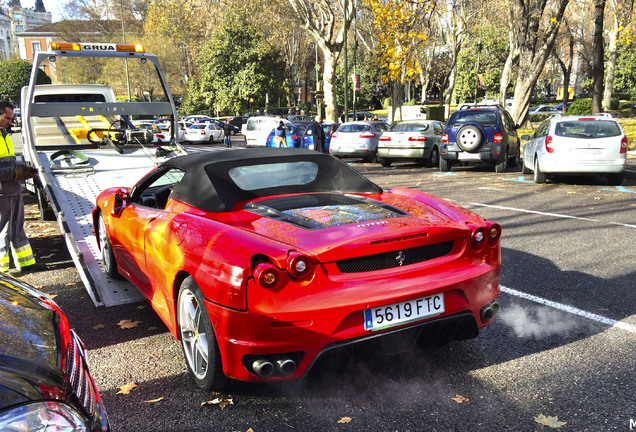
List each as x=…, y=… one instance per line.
x=126, y=324
x=152, y=328
x=345, y=420
x=549, y=421
x=71, y=284
x=127, y=388
x=98, y=326
x=142, y=307
x=220, y=401
x=460, y=399
x=154, y=400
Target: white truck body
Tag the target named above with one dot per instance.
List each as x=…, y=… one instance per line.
x=407, y=112
x=58, y=121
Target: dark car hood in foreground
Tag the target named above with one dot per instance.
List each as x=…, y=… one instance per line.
x=29, y=340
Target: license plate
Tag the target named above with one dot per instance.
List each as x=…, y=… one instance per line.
x=347, y=149
x=399, y=313
x=399, y=152
x=588, y=153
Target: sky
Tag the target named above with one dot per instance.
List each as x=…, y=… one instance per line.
x=50, y=6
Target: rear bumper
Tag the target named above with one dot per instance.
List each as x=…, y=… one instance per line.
x=488, y=153
x=305, y=327
x=404, y=152
x=559, y=166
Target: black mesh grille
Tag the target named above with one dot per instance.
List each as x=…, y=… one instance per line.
x=393, y=259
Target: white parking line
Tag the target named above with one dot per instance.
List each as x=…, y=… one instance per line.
x=553, y=215
x=570, y=309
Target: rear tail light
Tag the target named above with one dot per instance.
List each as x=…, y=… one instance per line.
x=624, y=144
x=161, y=136
x=494, y=233
x=334, y=135
x=497, y=138
x=298, y=265
x=367, y=135
x=417, y=138
x=548, y=144
x=445, y=138
x=294, y=137
x=477, y=236
x=267, y=275
x=202, y=131
x=385, y=138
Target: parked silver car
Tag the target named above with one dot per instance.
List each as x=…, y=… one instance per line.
x=575, y=145
x=411, y=140
x=357, y=139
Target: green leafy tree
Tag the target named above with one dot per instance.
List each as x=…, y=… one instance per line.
x=15, y=75
x=236, y=62
x=625, y=79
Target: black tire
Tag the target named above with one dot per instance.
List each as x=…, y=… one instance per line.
x=444, y=165
x=433, y=159
x=615, y=179
x=539, y=177
x=46, y=212
x=211, y=140
x=501, y=166
x=200, y=348
x=469, y=138
x=385, y=162
x=108, y=258
x=513, y=162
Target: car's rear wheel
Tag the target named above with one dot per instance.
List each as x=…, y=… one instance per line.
x=198, y=341
x=615, y=179
x=433, y=159
x=539, y=177
x=513, y=162
x=385, y=162
x=501, y=166
x=469, y=138
x=108, y=258
x=212, y=140
x=444, y=165
x=524, y=168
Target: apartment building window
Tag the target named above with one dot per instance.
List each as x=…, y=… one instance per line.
x=17, y=17
x=18, y=28
x=35, y=47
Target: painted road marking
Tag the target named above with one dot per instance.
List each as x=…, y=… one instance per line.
x=618, y=189
x=553, y=215
x=445, y=173
x=570, y=309
x=521, y=179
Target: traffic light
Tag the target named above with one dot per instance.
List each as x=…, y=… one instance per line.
x=250, y=101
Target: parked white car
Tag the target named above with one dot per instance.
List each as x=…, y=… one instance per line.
x=203, y=132
x=258, y=128
x=576, y=145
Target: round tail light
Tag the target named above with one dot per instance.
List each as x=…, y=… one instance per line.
x=477, y=237
x=298, y=265
x=494, y=233
x=266, y=275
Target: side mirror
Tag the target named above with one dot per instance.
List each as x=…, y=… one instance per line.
x=120, y=202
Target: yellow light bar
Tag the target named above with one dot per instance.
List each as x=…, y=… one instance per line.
x=96, y=47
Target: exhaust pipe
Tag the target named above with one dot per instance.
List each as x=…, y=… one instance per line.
x=285, y=366
x=263, y=368
x=489, y=311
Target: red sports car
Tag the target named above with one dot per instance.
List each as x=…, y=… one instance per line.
x=262, y=260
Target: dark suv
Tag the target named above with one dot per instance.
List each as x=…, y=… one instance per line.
x=481, y=133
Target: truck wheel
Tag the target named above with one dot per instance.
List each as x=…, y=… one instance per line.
x=444, y=165
x=501, y=166
x=46, y=212
x=198, y=341
x=469, y=138
x=110, y=265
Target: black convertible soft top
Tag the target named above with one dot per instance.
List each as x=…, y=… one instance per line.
x=208, y=182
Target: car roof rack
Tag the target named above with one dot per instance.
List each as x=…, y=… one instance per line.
x=471, y=106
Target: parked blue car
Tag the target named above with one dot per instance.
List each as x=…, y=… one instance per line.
x=308, y=138
x=293, y=136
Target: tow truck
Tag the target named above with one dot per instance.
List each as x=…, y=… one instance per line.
x=82, y=141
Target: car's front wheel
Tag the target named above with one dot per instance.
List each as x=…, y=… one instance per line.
x=524, y=168
x=198, y=341
x=108, y=258
x=539, y=177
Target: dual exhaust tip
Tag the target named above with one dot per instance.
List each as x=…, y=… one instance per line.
x=267, y=368
x=489, y=311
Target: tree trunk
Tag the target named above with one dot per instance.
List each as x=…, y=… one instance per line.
x=511, y=60
x=611, y=66
x=331, y=62
x=598, y=68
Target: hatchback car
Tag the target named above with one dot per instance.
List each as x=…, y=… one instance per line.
x=45, y=383
x=357, y=139
x=308, y=137
x=481, y=134
x=576, y=145
x=301, y=119
x=204, y=132
x=412, y=140
x=293, y=136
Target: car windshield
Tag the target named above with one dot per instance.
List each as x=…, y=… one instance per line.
x=410, y=127
x=265, y=176
x=484, y=118
x=198, y=126
x=588, y=129
x=355, y=127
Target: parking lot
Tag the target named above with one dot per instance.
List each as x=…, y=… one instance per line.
x=560, y=351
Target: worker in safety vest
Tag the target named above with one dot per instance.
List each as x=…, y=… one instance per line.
x=12, y=235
